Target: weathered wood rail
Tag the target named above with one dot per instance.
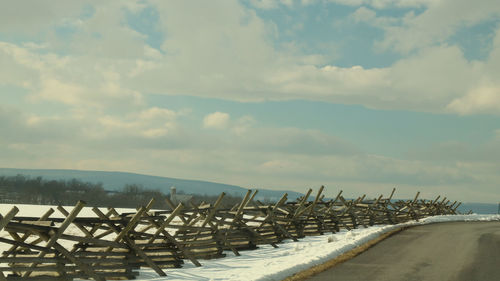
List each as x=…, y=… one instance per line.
x=115, y=245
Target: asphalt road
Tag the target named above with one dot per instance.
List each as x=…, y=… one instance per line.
x=462, y=251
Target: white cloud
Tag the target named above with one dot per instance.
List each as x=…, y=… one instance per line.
x=217, y=48
x=483, y=99
x=364, y=14
x=16, y=17
x=217, y=120
x=279, y=166
x=152, y=123
x=105, y=35
x=369, y=16
x=264, y=4
x=384, y=4
x=21, y=128
x=437, y=23
x=210, y=54
x=12, y=72
x=66, y=93
x=431, y=78
x=271, y=4
x=234, y=58
x=497, y=134
x=242, y=125
x=292, y=141
x=157, y=113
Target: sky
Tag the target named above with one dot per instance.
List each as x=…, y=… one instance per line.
x=357, y=95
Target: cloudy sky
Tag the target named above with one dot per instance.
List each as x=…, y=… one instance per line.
x=359, y=95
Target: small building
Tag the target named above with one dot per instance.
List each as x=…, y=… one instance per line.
x=179, y=198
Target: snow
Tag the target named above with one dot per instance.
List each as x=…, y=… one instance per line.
x=268, y=263
x=28, y=210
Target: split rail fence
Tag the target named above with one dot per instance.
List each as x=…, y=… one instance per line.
x=112, y=246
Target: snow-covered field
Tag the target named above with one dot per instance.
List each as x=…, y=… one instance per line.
x=268, y=263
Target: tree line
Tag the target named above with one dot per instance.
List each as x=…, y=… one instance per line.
x=22, y=189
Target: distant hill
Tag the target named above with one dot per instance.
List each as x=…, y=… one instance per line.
x=117, y=180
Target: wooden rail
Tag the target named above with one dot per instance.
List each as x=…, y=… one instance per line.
x=111, y=245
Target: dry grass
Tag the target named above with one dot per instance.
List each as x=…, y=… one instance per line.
x=342, y=258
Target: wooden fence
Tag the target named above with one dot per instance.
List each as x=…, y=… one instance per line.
x=115, y=245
